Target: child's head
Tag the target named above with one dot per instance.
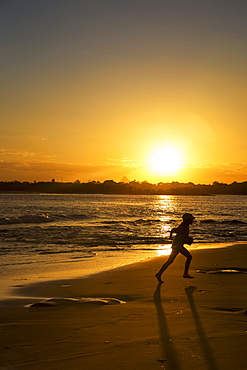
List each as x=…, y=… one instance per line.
x=188, y=217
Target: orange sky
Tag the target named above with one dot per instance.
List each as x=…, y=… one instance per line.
x=91, y=89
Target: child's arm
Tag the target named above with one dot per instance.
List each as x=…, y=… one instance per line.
x=181, y=229
x=174, y=230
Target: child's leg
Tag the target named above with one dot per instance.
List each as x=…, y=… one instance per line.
x=188, y=256
x=171, y=258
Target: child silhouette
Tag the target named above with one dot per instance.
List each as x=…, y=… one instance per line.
x=182, y=237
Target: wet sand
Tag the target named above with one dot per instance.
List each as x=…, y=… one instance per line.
x=123, y=318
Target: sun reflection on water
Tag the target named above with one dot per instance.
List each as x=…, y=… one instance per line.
x=164, y=250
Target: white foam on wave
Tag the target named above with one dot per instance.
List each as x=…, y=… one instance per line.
x=27, y=219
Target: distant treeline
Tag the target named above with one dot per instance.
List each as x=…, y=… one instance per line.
x=133, y=187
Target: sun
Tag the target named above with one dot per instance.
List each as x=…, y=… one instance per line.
x=166, y=159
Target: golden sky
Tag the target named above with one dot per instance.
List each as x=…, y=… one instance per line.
x=96, y=90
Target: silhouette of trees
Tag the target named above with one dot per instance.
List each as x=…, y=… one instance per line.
x=133, y=187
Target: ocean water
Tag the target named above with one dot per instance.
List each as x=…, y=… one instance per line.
x=77, y=230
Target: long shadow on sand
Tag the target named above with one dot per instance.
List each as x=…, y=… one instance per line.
x=168, y=352
x=210, y=362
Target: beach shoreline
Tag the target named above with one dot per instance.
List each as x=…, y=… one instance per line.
x=122, y=318
x=17, y=276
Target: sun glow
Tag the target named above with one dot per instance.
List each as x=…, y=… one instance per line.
x=166, y=159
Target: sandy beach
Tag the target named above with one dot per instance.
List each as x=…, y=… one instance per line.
x=123, y=318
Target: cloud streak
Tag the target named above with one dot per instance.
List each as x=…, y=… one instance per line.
x=5, y=152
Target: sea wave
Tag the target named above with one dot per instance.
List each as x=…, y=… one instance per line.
x=40, y=218
x=140, y=221
x=70, y=251
x=228, y=222
x=27, y=219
